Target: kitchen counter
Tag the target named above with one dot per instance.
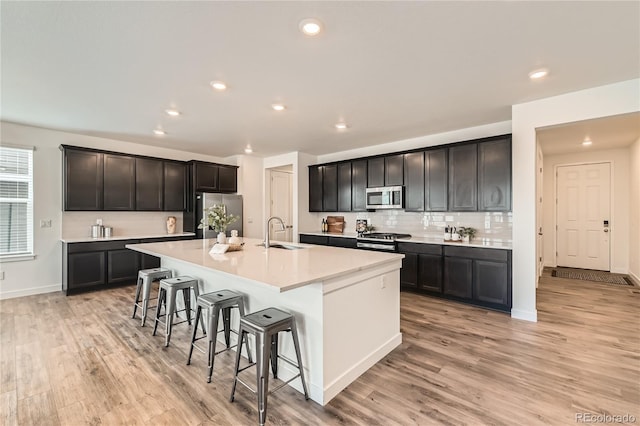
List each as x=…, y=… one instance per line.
x=346, y=302
x=126, y=237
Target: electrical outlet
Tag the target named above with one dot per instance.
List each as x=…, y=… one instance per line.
x=45, y=223
x=1, y=275
x=98, y=221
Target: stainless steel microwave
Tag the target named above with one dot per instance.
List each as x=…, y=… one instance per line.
x=385, y=197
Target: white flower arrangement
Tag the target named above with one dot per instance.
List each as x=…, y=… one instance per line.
x=217, y=219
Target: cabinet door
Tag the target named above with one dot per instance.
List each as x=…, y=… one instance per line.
x=491, y=282
x=430, y=272
x=375, y=172
x=463, y=178
x=409, y=271
x=174, y=186
x=205, y=177
x=314, y=239
x=494, y=175
x=83, y=174
x=436, y=180
x=342, y=242
x=149, y=189
x=414, y=181
x=344, y=187
x=315, y=188
x=359, y=186
x=227, y=179
x=394, y=170
x=122, y=266
x=86, y=269
x=330, y=188
x=458, y=277
x=147, y=261
x=119, y=182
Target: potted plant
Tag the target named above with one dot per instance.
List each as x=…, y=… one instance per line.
x=217, y=219
x=466, y=233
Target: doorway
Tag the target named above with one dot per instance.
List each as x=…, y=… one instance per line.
x=280, y=203
x=582, y=216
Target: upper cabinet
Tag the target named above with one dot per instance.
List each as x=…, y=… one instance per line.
x=414, y=170
x=494, y=175
x=330, y=188
x=358, y=185
x=175, y=175
x=119, y=182
x=344, y=187
x=209, y=177
x=315, y=188
x=82, y=180
x=375, y=172
x=394, y=170
x=227, y=179
x=463, y=178
x=436, y=182
x=149, y=190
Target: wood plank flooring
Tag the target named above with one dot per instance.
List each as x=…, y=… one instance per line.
x=81, y=360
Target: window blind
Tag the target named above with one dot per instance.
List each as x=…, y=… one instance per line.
x=16, y=201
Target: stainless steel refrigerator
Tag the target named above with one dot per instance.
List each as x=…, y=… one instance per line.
x=232, y=204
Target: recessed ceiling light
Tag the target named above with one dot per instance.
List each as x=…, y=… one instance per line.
x=538, y=74
x=586, y=142
x=159, y=132
x=172, y=112
x=248, y=150
x=219, y=85
x=278, y=107
x=310, y=26
x=342, y=126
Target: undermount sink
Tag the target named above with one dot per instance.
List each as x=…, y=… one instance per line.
x=282, y=246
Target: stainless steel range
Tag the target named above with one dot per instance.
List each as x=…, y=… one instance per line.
x=383, y=241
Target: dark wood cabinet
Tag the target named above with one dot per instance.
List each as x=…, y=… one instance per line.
x=320, y=240
x=359, y=186
x=147, y=261
x=422, y=267
x=491, y=282
x=436, y=181
x=344, y=187
x=375, y=172
x=463, y=178
x=394, y=170
x=149, y=184
x=409, y=271
x=123, y=266
x=494, y=175
x=458, y=277
x=330, y=188
x=345, y=242
x=430, y=272
x=205, y=177
x=315, y=188
x=119, y=182
x=86, y=270
x=175, y=183
x=227, y=179
x=414, y=171
x=82, y=180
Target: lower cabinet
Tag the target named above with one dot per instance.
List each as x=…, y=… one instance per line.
x=421, y=267
x=122, y=266
x=327, y=240
x=86, y=269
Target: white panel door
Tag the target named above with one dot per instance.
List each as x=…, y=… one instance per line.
x=583, y=211
x=281, y=187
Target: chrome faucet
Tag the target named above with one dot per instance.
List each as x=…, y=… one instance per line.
x=266, y=233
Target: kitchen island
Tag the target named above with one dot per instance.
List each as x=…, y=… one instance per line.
x=346, y=302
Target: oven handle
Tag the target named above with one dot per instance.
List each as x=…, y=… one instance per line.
x=374, y=246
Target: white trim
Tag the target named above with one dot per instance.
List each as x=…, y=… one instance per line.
x=618, y=271
x=30, y=291
x=634, y=278
x=17, y=146
x=525, y=315
x=17, y=257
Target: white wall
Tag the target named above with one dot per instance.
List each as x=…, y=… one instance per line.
x=620, y=178
x=250, y=185
x=634, y=211
x=603, y=101
x=44, y=273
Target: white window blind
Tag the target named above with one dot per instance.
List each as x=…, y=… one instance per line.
x=16, y=201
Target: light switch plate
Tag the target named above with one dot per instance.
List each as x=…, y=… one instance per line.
x=45, y=223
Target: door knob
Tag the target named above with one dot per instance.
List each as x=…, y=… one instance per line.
x=606, y=230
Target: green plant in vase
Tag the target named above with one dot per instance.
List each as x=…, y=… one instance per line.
x=467, y=233
x=216, y=218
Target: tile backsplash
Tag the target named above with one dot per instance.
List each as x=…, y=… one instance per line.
x=78, y=224
x=494, y=225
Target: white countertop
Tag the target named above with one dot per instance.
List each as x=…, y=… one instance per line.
x=126, y=237
x=280, y=269
x=493, y=243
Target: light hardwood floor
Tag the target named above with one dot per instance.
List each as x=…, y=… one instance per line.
x=82, y=360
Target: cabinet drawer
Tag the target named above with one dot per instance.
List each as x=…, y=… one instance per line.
x=342, y=242
x=99, y=246
x=420, y=248
x=477, y=253
x=314, y=239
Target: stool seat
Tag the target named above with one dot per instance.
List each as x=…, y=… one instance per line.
x=146, y=277
x=267, y=319
x=179, y=283
x=167, y=295
x=155, y=273
x=219, y=298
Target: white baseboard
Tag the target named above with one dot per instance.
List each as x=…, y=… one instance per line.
x=618, y=271
x=524, y=315
x=634, y=278
x=549, y=264
x=30, y=291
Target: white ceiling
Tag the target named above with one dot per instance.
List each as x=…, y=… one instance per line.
x=392, y=70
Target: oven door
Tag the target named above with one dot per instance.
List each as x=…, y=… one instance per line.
x=388, y=246
x=387, y=197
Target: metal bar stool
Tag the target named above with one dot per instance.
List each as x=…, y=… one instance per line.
x=216, y=302
x=265, y=326
x=167, y=297
x=146, y=277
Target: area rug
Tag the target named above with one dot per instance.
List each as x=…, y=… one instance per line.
x=589, y=275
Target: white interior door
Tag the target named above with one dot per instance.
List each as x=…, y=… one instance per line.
x=539, y=210
x=281, y=186
x=583, y=212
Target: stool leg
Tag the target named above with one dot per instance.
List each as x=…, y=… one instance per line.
x=241, y=309
x=226, y=320
x=274, y=355
x=146, y=294
x=135, y=304
x=241, y=336
x=170, y=310
x=193, y=336
x=262, y=375
x=212, y=338
x=296, y=345
x=186, y=296
x=161, y=296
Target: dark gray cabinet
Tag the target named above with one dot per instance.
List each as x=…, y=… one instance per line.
x=409, y=271
x=315, y=188
x=359, y=185
x=227, y=179
x=149, y=189
x=119, y=182
x=320, y=240
x=330, y=188
x=394, y=170
x=375, y=172
x=436, y=181
x=494, y=175
x=458, y=276
x=463, y=178
x=82, y=180
x=421, y=267
x=491, y=282
x=328, y=240
x=205, y=177
x=86, y=269
x=344, y=187
x=414, y=171
x=123, y=266
x=345, y=242
x=175, y=175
